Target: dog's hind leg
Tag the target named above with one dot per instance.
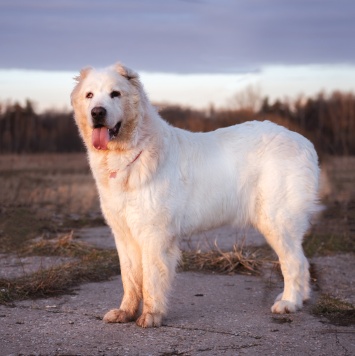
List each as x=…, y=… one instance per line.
x=295, y=270
x=159, y=257
x=286, y=240
x=131, y=273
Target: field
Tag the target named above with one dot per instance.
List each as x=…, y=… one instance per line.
x=45, y=199
x=49, y=193
x=56, y=183
x=45, y=195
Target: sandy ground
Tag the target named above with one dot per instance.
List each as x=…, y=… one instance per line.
x=209, y=314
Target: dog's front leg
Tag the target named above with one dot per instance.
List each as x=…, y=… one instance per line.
x=131, y=273
x=159, y=259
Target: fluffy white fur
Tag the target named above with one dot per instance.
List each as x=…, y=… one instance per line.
x=157, y=183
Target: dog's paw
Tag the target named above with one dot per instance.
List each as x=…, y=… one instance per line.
x=148, y=320
x=117, y=316
x=283, y=307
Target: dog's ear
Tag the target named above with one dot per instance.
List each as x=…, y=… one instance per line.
x=125, y=72
x=83, y=74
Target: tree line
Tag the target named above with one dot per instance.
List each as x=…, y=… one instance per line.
x=327, y=120
x=22, y=130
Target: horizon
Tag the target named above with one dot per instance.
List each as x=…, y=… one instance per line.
x=219, y=90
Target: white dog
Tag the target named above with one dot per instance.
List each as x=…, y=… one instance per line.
x=157, y=183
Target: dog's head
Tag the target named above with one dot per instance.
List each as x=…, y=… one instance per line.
x=106, y=106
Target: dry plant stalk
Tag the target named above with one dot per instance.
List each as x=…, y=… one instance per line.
x=64, y=246
x=240, y=259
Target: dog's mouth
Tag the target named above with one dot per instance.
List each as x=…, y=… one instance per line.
x=114, y=132
x=101, y=135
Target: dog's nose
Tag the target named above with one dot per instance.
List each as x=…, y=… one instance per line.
x=98, y=113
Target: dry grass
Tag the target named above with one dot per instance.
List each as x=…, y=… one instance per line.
x=91, y=265
x=64, y=246
x=44, y=194
x=52, y=184
x=72, y=162
x=94, y=267
x=335, y=230
x=240, y=260
x=18, y=225
x=59, y=192
x=341, y=176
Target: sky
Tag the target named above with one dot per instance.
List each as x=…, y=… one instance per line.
x=188, y=52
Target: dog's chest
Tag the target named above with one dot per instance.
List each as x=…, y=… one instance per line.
x=113, y=189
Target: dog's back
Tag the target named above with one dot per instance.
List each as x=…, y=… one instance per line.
x=229, y=175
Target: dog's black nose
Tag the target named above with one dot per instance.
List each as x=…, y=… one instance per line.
x=98, y=113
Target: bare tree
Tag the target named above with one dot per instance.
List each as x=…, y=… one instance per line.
x=248, y=99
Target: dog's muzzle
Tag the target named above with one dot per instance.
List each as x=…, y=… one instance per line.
x=101, y=134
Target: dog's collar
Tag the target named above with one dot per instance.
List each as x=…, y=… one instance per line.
x=114, y=173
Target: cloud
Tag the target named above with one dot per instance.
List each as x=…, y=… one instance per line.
x=209, y=36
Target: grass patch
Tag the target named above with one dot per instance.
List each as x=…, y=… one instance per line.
x=239, y=260
x=327, y=244
x=335, y=310
x=45, y=194
x=94, y=265
x=20, y=224
x=334, y=232
x=64, y=246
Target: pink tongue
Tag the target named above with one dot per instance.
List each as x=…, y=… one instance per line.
x=100, y=138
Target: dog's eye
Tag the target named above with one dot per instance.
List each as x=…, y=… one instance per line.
x=115, y=94
x=89, y=95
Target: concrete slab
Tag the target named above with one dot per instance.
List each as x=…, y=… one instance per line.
x=13, y=266
x=209, y=315
x=336, y=276
x=100, y=236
